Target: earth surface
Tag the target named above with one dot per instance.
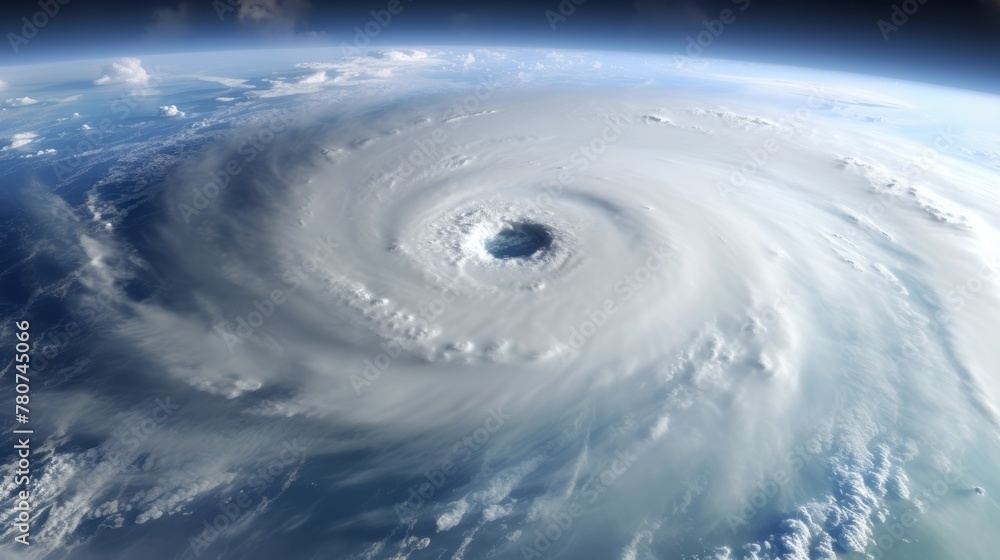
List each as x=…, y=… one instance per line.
x=500, y=303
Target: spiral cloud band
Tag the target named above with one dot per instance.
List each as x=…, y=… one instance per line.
x=626, y=310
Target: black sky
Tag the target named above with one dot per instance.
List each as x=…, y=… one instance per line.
x=954, y=42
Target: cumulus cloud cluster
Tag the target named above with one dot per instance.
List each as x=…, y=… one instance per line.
x=171, y=111
x=375, y=66
x=126, y=71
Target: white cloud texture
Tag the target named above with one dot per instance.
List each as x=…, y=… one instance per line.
x=21, y=101
x=723, y=286
x=19, y=140
x=171, y=111
x=127, y=71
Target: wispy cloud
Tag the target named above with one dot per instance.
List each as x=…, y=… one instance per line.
x=228, y=82
x=20, y=139
x=22, y=101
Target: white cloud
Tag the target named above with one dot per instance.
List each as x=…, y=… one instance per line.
x=41, y=153
x=375, y=66
x=306, y=84
x=126, y=70
x=406, y=55
x=230, y=82
x=316, y=65
x=171, y=111
x=20, y=139
x=3, y=84
x=317, y=78
x=21, y=101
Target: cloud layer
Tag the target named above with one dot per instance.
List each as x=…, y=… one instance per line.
x=504, y=306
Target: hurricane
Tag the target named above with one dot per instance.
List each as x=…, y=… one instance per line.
x=539, y=304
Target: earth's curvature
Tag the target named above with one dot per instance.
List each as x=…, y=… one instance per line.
x=501, y=303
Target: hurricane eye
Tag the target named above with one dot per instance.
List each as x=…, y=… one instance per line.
x=519, y=240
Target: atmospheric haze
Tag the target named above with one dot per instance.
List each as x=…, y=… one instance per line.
x=506, y=303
